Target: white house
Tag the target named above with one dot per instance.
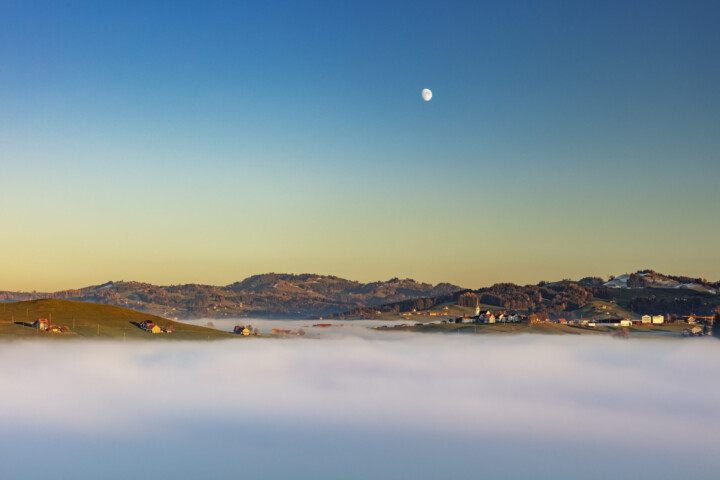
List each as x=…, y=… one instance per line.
x=656, y=319
x=646, y=319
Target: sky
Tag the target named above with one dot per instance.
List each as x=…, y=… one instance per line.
x=397, y=406
x=203, y=142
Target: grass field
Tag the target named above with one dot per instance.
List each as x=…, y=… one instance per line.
x=91, y=320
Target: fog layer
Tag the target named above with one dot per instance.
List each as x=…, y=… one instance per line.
x=397, y=406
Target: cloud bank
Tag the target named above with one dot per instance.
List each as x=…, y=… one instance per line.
x=640, y=405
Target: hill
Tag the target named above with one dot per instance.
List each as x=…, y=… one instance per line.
x=267, y=295
x=653, y=279
x=644, y=292
x=92, y=320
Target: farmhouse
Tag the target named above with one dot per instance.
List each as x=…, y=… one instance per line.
x=41, y=324
x=241, y=330
x=150, y=327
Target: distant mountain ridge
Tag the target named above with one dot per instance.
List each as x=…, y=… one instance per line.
x=270, y=294
x=642, y=292
x=311, y=295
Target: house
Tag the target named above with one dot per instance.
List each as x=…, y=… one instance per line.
x=41, y=324
x=614, y=322
x=562, y=320
x=150, y=326
x=657, y=319
x=487, y=318
x=243, y=330
x=646, y=319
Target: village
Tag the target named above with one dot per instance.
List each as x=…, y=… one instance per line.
x=697, y=325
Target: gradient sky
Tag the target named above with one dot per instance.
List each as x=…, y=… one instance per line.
x=176, y=142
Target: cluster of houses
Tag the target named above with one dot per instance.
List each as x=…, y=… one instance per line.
x=491, y=317
x=45, y=325
x=611, y=322
x=151, y=327
x=693, y=319
x=243, y=330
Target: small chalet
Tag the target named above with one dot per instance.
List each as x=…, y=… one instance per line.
x=241, y=330
x=42, y=324
x=150, y=327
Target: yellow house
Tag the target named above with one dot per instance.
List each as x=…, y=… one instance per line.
x=155, y=329
x=246, y=332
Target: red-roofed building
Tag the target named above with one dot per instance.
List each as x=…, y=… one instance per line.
x=42, y=324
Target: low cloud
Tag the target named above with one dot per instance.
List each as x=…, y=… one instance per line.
x=581, y=393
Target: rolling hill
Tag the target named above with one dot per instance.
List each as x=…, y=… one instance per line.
x=640, y=293
x=91, y=320
x=267, y=295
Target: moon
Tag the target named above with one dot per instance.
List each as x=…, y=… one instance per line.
x=426, y=94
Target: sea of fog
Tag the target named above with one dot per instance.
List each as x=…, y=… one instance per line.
x=391, y=406
x=313, y=328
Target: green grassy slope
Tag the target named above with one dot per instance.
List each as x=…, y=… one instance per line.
x=91, y=320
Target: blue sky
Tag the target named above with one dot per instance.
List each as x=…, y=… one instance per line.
x=235, y=123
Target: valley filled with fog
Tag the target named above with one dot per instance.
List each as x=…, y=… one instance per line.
x=390, y=405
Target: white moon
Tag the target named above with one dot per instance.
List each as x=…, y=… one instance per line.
x=426, y=94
